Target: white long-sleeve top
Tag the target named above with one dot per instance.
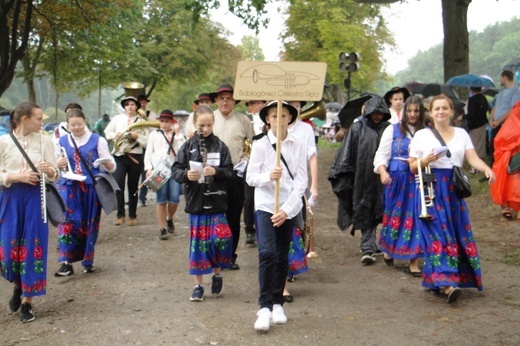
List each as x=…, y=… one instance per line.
x=263, y=160
x=305, y=133
x=102, y=147
x=158, y=147
x=119, y=124
x=384, y=151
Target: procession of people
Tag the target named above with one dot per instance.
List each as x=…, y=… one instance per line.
x=395, y=177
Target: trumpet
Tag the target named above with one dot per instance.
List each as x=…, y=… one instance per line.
x=425, y=181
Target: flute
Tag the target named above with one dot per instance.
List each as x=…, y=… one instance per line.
x=43, y=196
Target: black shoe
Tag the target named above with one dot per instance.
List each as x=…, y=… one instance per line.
x=142, y=203
x=288, y=298
x=89, y=269
x=198, y=294
x=368, y=258
x=163, y=235
x=250, y=238
x=234, y=266
x=26, y=313
x=16, y=299
x=170, y=226
x=217, y=284
x=65, y=270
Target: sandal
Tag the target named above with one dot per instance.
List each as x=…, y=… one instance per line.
x=389, y=261
x=506, y=212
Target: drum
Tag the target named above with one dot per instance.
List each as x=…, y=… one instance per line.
x=159, y=176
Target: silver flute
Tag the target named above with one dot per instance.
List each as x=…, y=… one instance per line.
x=43, y=196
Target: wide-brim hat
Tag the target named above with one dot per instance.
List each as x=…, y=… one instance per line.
x=130, y=98
x=248, y=102
x=265, y=110
x=167, y=115
x=221, y=89
x=395, y=90
x=142, y=97
x=203, y=97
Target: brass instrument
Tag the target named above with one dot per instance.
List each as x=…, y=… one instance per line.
x=308, y=231
x=317, y=110
x=126, y=143
x=133, y=88
x=425, y=181
x=247, y=147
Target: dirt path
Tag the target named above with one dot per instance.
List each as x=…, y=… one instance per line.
x=140, y=293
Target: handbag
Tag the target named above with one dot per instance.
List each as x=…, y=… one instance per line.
x=55, y=205
x=514, y=164
x=104, y=183
x=461, y=183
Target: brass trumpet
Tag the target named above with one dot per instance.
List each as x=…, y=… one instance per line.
x=425, y=181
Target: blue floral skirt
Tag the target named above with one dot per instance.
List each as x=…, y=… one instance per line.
x=451, y=255
x=297, y=255
x=23, y=238
x=211, y=243
x=77, y=236
x=399, y=237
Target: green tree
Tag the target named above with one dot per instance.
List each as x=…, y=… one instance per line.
x=250, y=49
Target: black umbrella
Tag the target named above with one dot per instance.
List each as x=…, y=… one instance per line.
x=513, y=65
x=351, y=110
x=434, y=89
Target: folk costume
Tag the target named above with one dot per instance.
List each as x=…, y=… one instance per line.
x=211, y=240
x=77, y=236
x=448, y=242
x=399, y=237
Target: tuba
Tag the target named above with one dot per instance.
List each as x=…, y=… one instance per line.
x=316, y=110
x=133, y=88
x=126, y=143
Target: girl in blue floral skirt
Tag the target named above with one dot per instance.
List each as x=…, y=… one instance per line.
x=204, y=165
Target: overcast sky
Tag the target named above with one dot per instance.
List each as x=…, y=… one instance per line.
x=416, y=25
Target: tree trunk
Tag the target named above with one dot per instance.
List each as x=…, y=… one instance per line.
x=456, y=37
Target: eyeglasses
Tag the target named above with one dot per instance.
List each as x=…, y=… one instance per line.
x=74, y=126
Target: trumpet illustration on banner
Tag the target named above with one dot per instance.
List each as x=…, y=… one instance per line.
x=287, y=79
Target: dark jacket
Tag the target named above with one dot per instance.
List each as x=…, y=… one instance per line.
x=357, y=187
x=210, y=197
x=477, y=111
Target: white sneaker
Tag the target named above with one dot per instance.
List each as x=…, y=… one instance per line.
x=264, y=319
x=278, y=314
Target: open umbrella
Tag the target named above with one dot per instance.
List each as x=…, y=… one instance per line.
x=351, y=110
x=513, y=65
x=490, y=92
x=470, y=80
x=434, y=89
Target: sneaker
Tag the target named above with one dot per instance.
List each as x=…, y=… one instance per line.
x=217, y=284
x=264, y=319
x=89, y=269
x=26, y=313
x=170, y=226
x=198, y=294
x=278, y=314
x=163, y=235
x=250, y=238
x=16, y=299
x=368, y=258
x=65, y=270
x=234, y=266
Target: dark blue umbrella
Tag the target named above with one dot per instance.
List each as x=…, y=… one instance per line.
x=434, y=89
x=470, y=80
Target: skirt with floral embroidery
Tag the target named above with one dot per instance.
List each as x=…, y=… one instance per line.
x=77, y=236
x=451, y=255
x=399, y=237
x=211, y=243
x=23, y=238
x=297, y=255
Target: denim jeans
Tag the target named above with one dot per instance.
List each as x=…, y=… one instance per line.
x=273, y=250
x=368, y=240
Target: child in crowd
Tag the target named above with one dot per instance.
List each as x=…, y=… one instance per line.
x=274, y=227
x=206, y=201
x=162, y=149
x=395, y=99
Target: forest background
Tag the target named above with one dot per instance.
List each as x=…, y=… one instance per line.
x=178, y=52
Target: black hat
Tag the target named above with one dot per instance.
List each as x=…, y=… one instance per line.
x=223, y=88
x=203, y=97
x=302, y=103
x=395, y=90
x=142, y=97
x=253, y=101
x=292, y=110
x=167, y=115
x=130, y=98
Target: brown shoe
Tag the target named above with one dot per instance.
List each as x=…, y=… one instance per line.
x=120, y=221
x=132, y=222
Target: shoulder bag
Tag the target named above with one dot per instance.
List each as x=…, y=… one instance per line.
x=514, y=164
x=461, y=183
x=55, y=205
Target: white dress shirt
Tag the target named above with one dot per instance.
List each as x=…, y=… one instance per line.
x=158, y=147
x=263, y=160
x=119, y=124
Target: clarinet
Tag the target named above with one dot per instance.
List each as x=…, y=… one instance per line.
x=204, y=153
x=43, y=196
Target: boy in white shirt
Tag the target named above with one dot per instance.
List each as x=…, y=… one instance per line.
x=274, y=228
